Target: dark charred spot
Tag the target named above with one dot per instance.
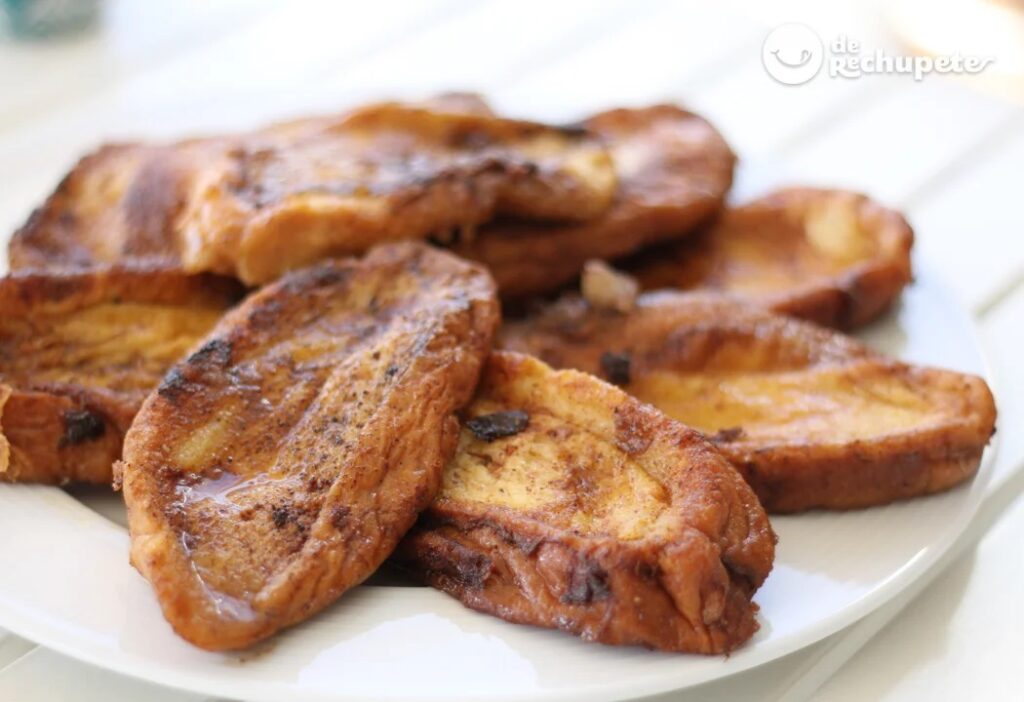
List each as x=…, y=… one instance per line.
x=574, y=129
x=587, y=583
x=727, y=435
x=266, y=315
x=281, y=515
x=632, y=433
x=81, y=425
x=169, y=474
x=248, y=178
x=215, y=352
x=456, y=561
x=172, y=385
x=483, y=458
x=489, y=427
x=527, y=168
x=325, y=275
x=616, y=367
x=647, y=571
x=526, y=544
x=339, y=517
x=391, y=371
x=150, y=206
x=472, y=139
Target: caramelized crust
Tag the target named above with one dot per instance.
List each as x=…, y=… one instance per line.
x=281, y=462
x=828, y=256
x=116, y=207
x=594, y=514
x=531, y=202
x=673, y=171
x=258, y=204
x=79, y=353
x=809, y=417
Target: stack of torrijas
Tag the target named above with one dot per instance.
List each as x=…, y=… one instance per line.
x=274, y=453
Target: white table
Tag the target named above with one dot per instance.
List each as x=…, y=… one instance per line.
x=947, y=152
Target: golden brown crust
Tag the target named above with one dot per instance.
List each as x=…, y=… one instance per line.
x=258, y=204
x=599, y=516
x=115, y=207
x=279, y=465
x=809, y=417
x=832, y=257
x=673, y=170
x=79, y=353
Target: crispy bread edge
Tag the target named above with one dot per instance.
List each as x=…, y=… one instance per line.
x=156, y=549
x=868, y=289
x=639, y=218
x=866, y=474
x=61, y=433
x=851, y=475
x=688, y=594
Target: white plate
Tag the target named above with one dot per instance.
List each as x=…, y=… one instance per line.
x=65, y=582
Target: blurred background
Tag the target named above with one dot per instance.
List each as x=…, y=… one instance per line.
x=945, y=147
x=74, y=73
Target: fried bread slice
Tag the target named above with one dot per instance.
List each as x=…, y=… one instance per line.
x=256, y=205
x=571, y=505
x=80, y=352
x=281, y=462
x=811, y=418
x=674, y=171
x=832, y=257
